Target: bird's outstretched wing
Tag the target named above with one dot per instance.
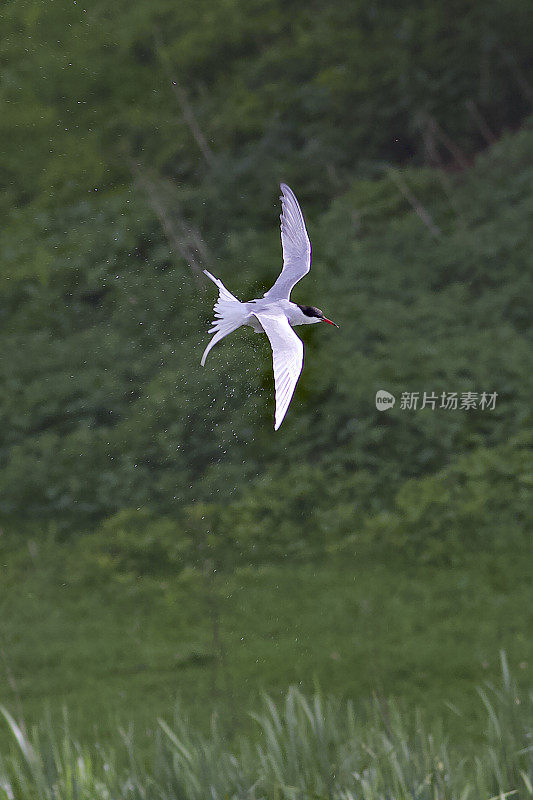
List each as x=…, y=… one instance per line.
x=296, y=246
x=287, y=357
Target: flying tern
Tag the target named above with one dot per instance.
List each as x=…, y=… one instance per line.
x=274, y=313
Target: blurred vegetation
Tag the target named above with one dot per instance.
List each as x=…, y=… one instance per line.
x=109, y=421
x=115, y=632
x=303, y=747
x=308, y=91
x=141, y=143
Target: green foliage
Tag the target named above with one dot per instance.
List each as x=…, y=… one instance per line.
x=133, y=542
x=308, y=91
x=481, y=502
x=135, y=486
x=307, y=747
x=109, y=409
x=427, y=271
x=95, y=625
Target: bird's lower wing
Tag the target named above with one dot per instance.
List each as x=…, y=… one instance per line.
x=287, y=357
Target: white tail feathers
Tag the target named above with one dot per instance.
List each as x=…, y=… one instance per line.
x=229, y=315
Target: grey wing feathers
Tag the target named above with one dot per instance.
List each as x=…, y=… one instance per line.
x=287, y=357
x=296, y=246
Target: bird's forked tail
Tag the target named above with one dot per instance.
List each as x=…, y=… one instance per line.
x=230, y=314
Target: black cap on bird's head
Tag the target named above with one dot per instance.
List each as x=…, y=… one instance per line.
x=313, y=311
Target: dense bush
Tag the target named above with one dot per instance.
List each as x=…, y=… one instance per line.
x=308, y=92
x=109, y=408
x=427, y=271
x=481, y=502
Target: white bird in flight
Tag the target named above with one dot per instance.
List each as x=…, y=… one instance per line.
x=274, y=313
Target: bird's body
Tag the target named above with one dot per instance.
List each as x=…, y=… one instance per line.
x=274, y=313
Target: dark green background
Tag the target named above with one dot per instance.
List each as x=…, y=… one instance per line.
x=143, y=142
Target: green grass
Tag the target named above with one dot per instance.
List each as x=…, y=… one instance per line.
x=316, y=748
x=115, y=652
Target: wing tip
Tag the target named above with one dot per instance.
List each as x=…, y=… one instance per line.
x=286, y=191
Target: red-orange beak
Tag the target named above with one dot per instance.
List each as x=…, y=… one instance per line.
x=325, y=319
